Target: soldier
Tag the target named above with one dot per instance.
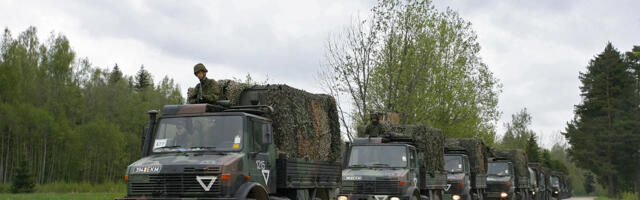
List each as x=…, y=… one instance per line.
x=182, y=138
x=374, y=128
x=206, y=91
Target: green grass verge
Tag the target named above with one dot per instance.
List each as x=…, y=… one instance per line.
x=625, y=196
x=67, y=196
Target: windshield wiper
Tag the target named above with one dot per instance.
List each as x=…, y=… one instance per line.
x=380, y=164
x=207, y=148
x=358, y=165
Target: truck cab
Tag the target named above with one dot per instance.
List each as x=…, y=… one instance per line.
x=194, y=153
x=380, y=169
x=458, y=175
x=500, y=180
x=201, y=151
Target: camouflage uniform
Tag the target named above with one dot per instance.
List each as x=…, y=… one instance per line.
x=210, y=90
x=374, y=128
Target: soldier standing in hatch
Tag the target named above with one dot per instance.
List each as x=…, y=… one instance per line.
x=206, y=91
x=374, y=128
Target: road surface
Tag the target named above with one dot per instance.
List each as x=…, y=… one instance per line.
x=582, y=198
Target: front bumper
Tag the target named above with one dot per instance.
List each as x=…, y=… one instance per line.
x=174, y=198
x=372, y=197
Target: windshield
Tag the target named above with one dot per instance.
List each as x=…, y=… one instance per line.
x=555, y=182
x=498, y=169
x=203, y=133
x=532, y=174
x=453, y=163
x=378, y=156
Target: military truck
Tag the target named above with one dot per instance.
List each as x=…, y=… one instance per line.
x=466, y=166
x=539, y=183
x=265, y=142
x=560, y=185
x=508, y=175
x=394, y=167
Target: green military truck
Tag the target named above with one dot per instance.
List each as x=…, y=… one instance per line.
x=265, y=142
x=404, y=166
x=560, y=185
x=466, y=166
x=508, y=175
x=539, y=189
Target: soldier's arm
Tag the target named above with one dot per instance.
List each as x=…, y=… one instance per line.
x=191, y=95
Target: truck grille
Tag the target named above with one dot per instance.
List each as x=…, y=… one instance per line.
x=184, y=185
x=372, y=187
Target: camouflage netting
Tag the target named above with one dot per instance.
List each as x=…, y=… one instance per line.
x=430, y=140
x=305, y=125
x=476, y=150
x=519, y=159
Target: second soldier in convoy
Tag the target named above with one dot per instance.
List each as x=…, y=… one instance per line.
x=207, y=91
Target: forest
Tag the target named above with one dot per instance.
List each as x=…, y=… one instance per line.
x=67, y=120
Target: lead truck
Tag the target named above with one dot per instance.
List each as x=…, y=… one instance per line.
x=264, y=142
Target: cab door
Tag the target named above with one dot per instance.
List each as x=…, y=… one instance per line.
x=261, y=164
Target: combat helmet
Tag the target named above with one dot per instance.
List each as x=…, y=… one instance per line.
x=199, y=68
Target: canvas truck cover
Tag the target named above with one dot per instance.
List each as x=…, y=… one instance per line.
x=519, y=159
x=305, y=125
x=476, y=150
x=430, y=140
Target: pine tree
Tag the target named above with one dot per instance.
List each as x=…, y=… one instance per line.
x=23, y=180
x=588, y=183
x=533, y=151
x=603, y=134
x=115, y=75
x=143, y=79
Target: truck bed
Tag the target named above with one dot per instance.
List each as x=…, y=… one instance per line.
x=296, y=173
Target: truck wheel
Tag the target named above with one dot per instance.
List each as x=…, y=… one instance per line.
x=257, y=193
x=322, y=194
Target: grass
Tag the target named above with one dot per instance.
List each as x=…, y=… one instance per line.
x=72, y=191
x=625, y=196
x=65, y=196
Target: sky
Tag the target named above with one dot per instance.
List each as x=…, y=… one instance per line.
x=535, y=48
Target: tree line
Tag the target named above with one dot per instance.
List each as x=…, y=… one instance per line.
x=67, y=120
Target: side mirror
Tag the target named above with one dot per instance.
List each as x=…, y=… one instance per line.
x=146, y=133
x=267, y=137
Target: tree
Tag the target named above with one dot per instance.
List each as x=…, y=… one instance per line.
x=532, y=149
x=518, y=132
x=23, y=180
x=116, y=75
x=589, y=183
x=604, y=131
x=410, y=58
x=143, y=79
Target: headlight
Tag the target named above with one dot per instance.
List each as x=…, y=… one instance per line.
x=394, y=198
x=503, y=195
x=343, y=198
x=555, y=192
x=533, y=193
x=456, y=197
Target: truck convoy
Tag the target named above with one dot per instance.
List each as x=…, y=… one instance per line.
x=277, y=142
x=466, y=166
x=406, y=164
x=265, y=142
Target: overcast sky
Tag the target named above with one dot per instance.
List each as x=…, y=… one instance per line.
x=536, y=48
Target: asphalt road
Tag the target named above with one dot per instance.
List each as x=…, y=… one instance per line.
x=582, y=198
